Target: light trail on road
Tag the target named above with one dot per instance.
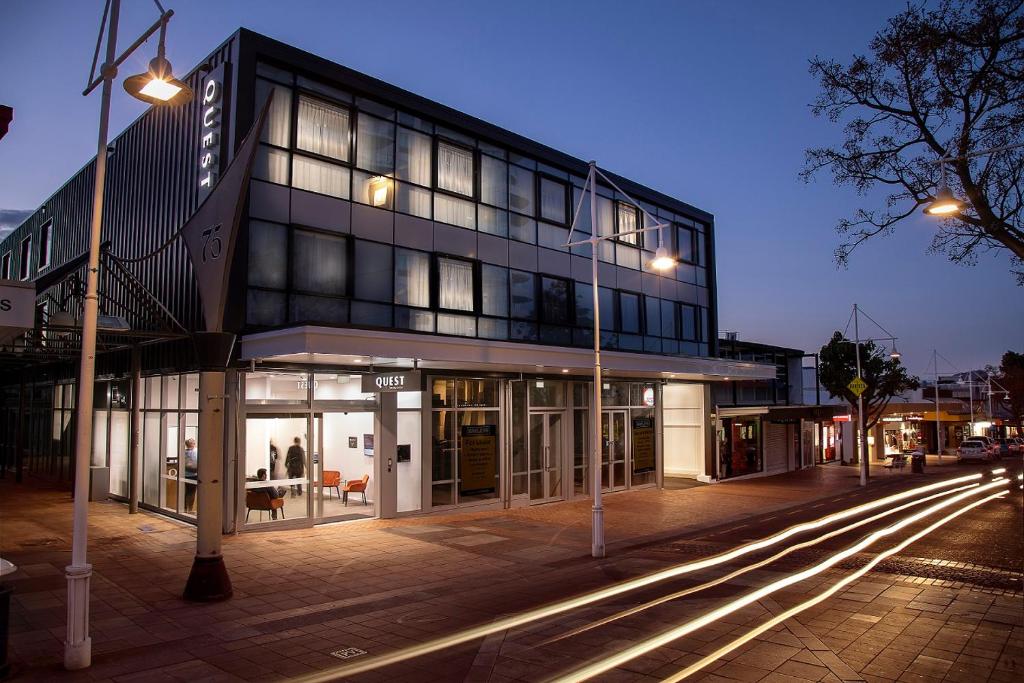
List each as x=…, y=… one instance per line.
x=832, y=590
x=546, y=611
x=748, y=568
x=666, y=637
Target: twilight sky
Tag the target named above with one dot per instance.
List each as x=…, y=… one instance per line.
x=705, y=101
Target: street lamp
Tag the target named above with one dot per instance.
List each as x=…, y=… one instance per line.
x=661, y=261
x=156, y=86
x=945, y=203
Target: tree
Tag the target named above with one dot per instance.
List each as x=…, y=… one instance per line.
x=938, y=83
x=1011, y=378
x=886, y=377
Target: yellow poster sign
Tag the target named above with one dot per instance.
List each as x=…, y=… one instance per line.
x=478, y=458
x=643, y=445
x=857, y=386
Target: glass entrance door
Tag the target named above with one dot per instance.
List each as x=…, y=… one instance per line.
x=546, y=455
x=277, y=468
x=345, y=483
x=613, y=449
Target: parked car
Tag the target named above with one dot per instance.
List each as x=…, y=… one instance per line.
x=990, y=444
x=973, y=450
x=1016, y=445
x=1007, y=447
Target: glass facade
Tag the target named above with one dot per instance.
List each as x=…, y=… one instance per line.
x=326, y=141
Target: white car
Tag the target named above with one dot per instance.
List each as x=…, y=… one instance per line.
x=973, y=449
x=990, y=444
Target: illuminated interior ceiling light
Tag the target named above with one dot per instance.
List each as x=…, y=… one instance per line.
x=158, y=85
x=380, y=187
x=662, y=261
x=582, y=600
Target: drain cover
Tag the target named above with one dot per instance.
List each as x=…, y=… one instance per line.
x=348, y=653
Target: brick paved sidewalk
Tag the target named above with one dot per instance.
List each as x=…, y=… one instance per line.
x=302, y=594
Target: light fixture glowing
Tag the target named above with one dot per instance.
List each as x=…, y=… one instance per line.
x=565, y=371
x=944, y=203
x=380, y=188
x=158, y=85
x=662, y=261
x=895, y=354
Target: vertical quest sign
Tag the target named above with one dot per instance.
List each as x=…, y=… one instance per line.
x=212, y=133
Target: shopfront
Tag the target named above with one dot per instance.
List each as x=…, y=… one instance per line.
x=740, y=443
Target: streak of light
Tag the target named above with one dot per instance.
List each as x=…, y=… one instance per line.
x=793, y=611
x=999, y=470
x=664, y=638
x=545, y=611
x=748, y=568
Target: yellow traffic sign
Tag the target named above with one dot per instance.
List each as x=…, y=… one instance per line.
x=857, y=386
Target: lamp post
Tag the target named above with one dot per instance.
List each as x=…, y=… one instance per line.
x=158, y=86
x=945, y=204
x=895, y=355
x=661, y=261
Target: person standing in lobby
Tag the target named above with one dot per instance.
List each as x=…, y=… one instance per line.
x=295, y=463
x=191, y=472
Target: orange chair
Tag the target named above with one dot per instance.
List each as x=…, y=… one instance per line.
x=261, y=500
x=355, y=487
x=332, y=480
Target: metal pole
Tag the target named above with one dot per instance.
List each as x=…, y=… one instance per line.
x=989, y=387
x=597, y=541
x=860, y=406
x=938, y=424
x=78, y=646
x=134, y=450
x=970, y=398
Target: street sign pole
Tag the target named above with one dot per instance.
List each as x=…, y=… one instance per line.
x=860, y=406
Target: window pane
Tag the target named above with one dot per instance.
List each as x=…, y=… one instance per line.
x=626, y=215
x=412, y=278
x=319, y=309
x=685, y=244
x=552, y=236
x=552, y=200
x=278, y=128
x=454, y=211
x=267, y=242
x=375, y=190
x=494, y=290
x=373, y=271
x=629, y=312
x=454, y=169
x=493, y=181
x=522, y=228
x=271, y=164
x=323, y=128
x=414, y=157
x=493, y=221
x=413, y=200
x=523, y=296
x=699, y=253
x=461, y=325
x=668, y=319
x=375, y=144
x=264, y=308
x=584, y=305
x=455, y=285
x=520, y=190
x=605, y=226
x=653, y=311
x=689, y=317
x=318, y=263
x=606, y=299
x=555, y=300
x=319, y=176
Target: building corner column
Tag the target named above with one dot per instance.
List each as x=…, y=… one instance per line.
x=386, y=438
x=209, y=581
x=134, y=452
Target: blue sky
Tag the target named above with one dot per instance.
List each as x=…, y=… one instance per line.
x=705, y=101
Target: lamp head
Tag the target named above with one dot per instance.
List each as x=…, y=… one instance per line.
x=158, y=85
x=944, y=203
x=662, y=261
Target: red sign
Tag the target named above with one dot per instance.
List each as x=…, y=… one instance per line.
x=842, y=418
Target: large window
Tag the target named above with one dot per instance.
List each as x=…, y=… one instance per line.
x=373, y=279
x=319, y=176
x=375, y=145
x=521, y=190
x=319, y=263
x=553, y=196
x=494, y=290
x=627, y=220
x=45, y=245
x=493, y=181
x=629, y=312
x=688, y=314
x=555, y=301
x=524, y=295
x=454, y=284
x=412, y=278
x=414, y=151
x=26, y=255
x=454, y=168
x=323, y=128
x=268, y=242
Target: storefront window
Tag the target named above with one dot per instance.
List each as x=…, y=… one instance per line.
x=465, y=441
x=615, y=394
x=264, y=388
x=341, y=387
x=740, y=446
x=547, y=394
x=276, y=468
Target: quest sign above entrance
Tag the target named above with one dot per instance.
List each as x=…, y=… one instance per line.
x=411, y=380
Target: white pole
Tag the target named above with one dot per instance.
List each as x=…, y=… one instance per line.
x=78, y=646
x=938, y=424
x=597, y=542
x=860, y=406
x=970, y=398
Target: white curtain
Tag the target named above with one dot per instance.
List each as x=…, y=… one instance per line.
x=414, y=157
x=277, y=129
x=413, y=200
x=454, y=211
x=318, y=176
x=520, y=190
x=627, y=222
x=455, y=169
x=412, y=278
x=552, y=200
x=323, y=129
x=455, y=284
x=493, y=181
x=375, y=148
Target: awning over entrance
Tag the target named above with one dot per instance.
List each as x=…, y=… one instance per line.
x=346, y=346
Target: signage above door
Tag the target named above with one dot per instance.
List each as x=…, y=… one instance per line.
x=409, y=380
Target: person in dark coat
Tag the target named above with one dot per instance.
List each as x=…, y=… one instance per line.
x=261, y=475
x=295, y=464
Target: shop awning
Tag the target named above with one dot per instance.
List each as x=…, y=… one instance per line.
x=349, y=346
